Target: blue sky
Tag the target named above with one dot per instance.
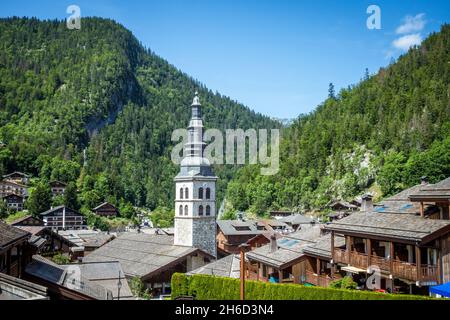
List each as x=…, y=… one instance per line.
x=277, y=57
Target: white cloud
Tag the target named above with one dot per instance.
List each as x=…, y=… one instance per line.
x=412, y=24
x=405, y=42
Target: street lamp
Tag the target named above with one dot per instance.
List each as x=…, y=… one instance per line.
x=243, y=248
x=119, y=286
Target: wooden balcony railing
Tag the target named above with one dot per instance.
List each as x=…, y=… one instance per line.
x=318, y=280
x=399, y=269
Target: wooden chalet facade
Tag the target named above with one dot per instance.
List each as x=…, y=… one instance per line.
x=17, y=177
x=408, y=250
x=58, y=188
x=10, y=187
x=13, y=250
x=43, y=239
x=106, y=209
x=232, y=233
x=283, y=259
x=14, y=201
x=63, y=218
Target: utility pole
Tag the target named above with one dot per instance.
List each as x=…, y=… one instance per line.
x=243, y=249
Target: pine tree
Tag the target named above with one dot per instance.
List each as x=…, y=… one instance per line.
x=331, y=93
x=70, y=197
x=40, y=199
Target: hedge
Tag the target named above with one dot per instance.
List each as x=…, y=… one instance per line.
x=206, y=287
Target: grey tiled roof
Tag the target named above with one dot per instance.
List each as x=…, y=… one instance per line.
x=438, y=190
x=322, y=247
x=140, y=254
x=225, y=267
x=10, y=234
x=290, y=248
x=297, y=219
x=228, y=227
x=405, y=227
x=107, y=275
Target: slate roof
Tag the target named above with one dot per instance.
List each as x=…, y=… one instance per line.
x=20, y=220
x=406, y=227
x=86, y=238
x=51, y=272
x=141, y=254
x=290, y=248
x=34, y=230
x=297, y=219
x=228, y=227
x=10, y=234
x=440, y=190
x=107, y=275
x=225, y=267
x=322, y=247
x=400, y=203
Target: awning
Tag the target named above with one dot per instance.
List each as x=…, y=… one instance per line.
x=443, y=290
x=353, y=269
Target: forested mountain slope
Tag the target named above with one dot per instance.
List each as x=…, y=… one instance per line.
x=63, y=91
x=382, y=134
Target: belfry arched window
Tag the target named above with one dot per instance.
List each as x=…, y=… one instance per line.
x=208, y=193
x=186, y=210
x=181, y=193
x=186, y=193
x=200, y=210
x=208, y=210
x=181, y=210
x=200, y=193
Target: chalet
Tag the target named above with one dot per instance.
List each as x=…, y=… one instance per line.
x=43, y=239
x=297, y=221
x=58, y=188
x=14, y=201
x=438, y=194
x=13, y=242
x=17, y=177
x=280, y=214
x=281, y=260
x=63, y=218
x=317, y=269
x=152, y=258
x=64, y=282
x=343, y=206
x=261, y=239
x=84, y=241
x=232, y=233
x=411, y=252
x=8, y=187
x=106, y=210
x=12, y=288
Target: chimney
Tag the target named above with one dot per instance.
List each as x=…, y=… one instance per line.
x=424, y=180
x=366, y=204
x=273, y=243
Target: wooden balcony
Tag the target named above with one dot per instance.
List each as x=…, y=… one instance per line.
x=398, y=269
x=318, y=280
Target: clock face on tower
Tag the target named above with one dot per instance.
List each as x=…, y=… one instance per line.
x=195, y=190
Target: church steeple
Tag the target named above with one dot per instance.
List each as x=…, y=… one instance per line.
x=195, y=187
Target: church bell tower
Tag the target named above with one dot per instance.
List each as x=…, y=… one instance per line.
x=195, y=187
